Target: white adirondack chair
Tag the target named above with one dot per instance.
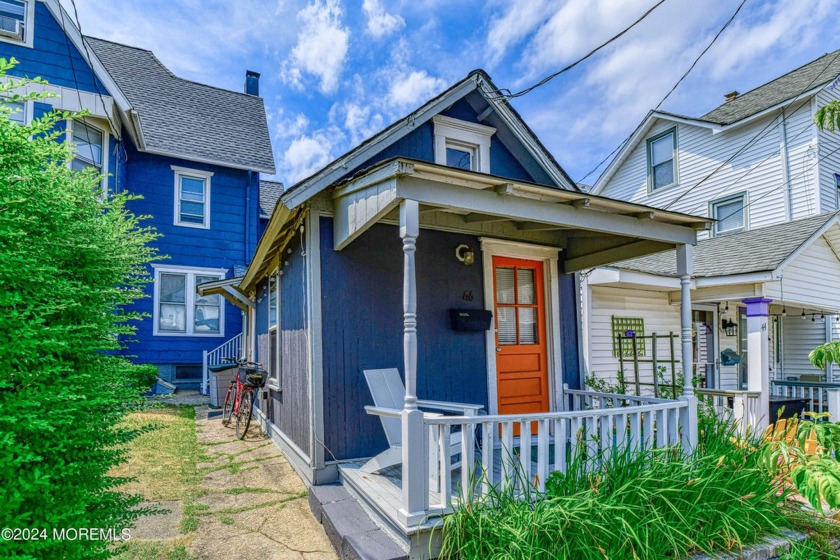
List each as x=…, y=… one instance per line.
x=388, y=393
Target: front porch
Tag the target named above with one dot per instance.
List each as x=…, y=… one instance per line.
x=533, y=427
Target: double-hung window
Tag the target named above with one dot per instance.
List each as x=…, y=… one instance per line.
x=730, y=213
x=179, y=310
x=16, y=21
x=274, y=331
x=89, y=142
x=462, y=144
x=192, y=197
x=662, y=160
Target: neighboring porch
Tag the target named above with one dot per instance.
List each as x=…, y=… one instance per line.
x=530, y=238
x=761, y=301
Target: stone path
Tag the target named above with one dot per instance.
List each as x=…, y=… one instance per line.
x=252, y=504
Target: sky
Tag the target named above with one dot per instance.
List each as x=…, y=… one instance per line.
x=333, y=72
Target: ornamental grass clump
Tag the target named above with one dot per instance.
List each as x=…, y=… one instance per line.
x=651, y=504
x=71, y=258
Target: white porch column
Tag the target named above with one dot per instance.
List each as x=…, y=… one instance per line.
x=758, y=357
x=414, y=478
x=685, y=268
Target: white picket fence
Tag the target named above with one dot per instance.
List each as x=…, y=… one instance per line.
x=231, y=348
x=493, y=455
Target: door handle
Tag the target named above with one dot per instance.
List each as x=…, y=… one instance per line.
x=498, y=348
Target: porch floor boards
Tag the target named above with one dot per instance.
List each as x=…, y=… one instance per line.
x=383, y=490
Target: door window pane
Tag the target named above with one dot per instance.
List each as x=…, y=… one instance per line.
x=506, y=325
x=505, y=286
x=526, y=289
x=528, y=325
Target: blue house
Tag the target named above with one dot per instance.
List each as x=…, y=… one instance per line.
x=192, y=151
x=435, y=264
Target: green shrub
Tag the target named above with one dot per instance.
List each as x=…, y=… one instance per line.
x=69, y=262
x=650, y=505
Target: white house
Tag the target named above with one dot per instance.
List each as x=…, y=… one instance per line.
x=759, y=166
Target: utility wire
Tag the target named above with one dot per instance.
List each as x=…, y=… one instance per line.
x=676, y=85
x=507, y=94
x=758, y=136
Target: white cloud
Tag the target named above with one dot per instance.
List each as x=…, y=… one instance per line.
x=321, y=48
x=306, y=155
x=413, y=88
x=380, y=23
x=520, y=19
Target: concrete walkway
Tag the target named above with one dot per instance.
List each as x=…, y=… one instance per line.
x=252, y=504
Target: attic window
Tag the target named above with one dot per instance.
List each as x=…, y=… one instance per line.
x=16, y=21
x=462, y=144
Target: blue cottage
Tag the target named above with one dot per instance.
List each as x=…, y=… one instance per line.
x=193, y=152
x=433, y=265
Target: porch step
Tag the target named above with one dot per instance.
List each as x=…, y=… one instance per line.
x=352, y=533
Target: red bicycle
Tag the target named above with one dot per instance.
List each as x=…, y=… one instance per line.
x=239, y=401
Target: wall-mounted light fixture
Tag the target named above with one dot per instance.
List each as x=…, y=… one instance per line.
x=464, y=254
x=729, y=326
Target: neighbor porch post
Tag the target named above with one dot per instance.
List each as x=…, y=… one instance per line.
x=685, y=268
x=758, y=357
x=414, y=477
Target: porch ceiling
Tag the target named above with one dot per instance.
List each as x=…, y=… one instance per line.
x=591, y=231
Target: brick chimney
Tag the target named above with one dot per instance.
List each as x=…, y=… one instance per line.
x=252, y=82
x=730, y=97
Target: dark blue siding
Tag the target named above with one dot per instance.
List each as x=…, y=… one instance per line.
x=569, y=331
x=289, y=408
x=53, y=58
x=418, y=145
x=362, y=328
x=221, y=246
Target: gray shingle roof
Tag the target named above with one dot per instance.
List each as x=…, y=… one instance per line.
x=270, y=192
x=758, y=250
x=187, y=119
x=814, y=74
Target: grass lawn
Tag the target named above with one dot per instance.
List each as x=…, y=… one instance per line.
x=163, y=460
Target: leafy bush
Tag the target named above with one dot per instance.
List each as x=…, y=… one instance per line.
x=69, y=261
x=653, y=504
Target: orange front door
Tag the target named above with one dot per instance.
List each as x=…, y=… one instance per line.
x=521, y=350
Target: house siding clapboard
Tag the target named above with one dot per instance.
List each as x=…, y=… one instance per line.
x=289, y=408
x=829, y=154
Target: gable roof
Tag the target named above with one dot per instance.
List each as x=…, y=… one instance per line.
x=758, y=250
x=477, y=80
x=270, y=193
x=805, y=80
x=813, y=75
x=186, y=119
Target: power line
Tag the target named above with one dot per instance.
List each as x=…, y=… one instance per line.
x=758, y=136
x=676, y=85
x=511, y=95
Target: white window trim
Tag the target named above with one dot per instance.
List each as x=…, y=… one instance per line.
x=744, y=197
x=106, y=139
x=29, y=33
x=467, y=134
x=276, y=331
x=28, y=111
x=191, y=272
x=195, y=174
x=649, y=160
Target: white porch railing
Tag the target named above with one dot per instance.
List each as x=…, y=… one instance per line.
x=744, y=407
x=230, y=348
x=599, y=424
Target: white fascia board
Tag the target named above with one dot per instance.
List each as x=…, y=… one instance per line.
x=735, y=279
x=817, y=234
x=87, y=53
x=379, y=142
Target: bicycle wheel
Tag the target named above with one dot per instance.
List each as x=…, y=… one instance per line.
x=243, y=419
x=227, y=410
